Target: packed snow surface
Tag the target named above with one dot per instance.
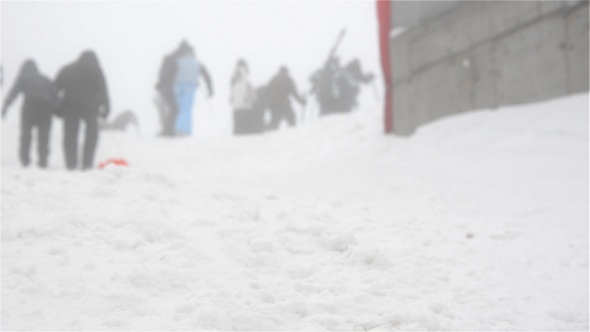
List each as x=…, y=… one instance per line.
x=477, y=222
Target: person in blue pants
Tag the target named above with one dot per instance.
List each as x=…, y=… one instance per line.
x=186, y=81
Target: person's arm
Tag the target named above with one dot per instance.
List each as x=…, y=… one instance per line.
x=16, y=89
x=207, y=79
x=58, y=84
x=104, y=97
x=294, y=93
x=162, y=75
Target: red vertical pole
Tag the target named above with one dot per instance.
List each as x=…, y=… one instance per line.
x=384, y=19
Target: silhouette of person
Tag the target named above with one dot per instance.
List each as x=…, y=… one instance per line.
x=278, y=91
x=175, y=84
x=40, y=103
x=84, y=98
x=348, y=81
x=336, y=87
x=242, y=99
x=165, y=88
x=186, y=81
x=324, y=87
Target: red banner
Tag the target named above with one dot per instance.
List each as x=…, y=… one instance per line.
x=384, y=19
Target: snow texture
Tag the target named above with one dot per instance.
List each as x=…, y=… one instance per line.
x=477, y=222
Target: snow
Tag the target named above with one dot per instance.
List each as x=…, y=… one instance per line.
x=477, y=222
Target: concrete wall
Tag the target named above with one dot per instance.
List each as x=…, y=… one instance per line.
x=484, y=54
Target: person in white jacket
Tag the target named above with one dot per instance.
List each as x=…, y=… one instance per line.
x=242, y=99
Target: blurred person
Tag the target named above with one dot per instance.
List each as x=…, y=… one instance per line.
x=40, y=103
x=120, y=122
x=247, y=118
x=348, y=82
x=83, y=99
x=336, y=87
x=278, y=91
x=186, y=82
x=324, y=87
x=165, y=86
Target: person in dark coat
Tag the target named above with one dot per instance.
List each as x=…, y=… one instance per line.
x=348, y=82
x=165, y=87
x=40, y=102
x=83, y=92
x=278, y=91
x=336, y=87
x=324, y=88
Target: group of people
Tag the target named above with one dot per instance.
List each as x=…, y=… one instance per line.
x=249, y=104
x=336, y=89
x=178, y=81
x=78, y=96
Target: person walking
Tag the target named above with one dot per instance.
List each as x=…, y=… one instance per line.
x=324, y=86
x=348, y=83
x=243, y=98
x=40, y=103
x=278, y=91
x=337, y=88
x=168, y=107
x=186, y=82
x=83, y=99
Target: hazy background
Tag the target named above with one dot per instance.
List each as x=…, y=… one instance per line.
x=132, y=37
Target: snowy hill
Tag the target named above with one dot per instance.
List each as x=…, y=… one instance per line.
x=478, y=222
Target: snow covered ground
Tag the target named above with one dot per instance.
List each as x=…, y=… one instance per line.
x=477, y=222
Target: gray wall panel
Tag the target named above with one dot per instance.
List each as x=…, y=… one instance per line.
x=476, y=55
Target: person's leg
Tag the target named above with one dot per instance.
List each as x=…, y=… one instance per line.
x=190, y=92
x=90, y=141
x=26, y=127
x=184, y=97
x=237, y=124
x=323, y=106
x=170, y=98
x=163, y=109
x=275, y=119
x=43, y=131
x=290, y=116
x=71, y=127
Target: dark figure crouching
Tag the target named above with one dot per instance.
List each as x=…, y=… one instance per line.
x=278, y=91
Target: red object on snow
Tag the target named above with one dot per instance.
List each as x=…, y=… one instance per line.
x=112, y=161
